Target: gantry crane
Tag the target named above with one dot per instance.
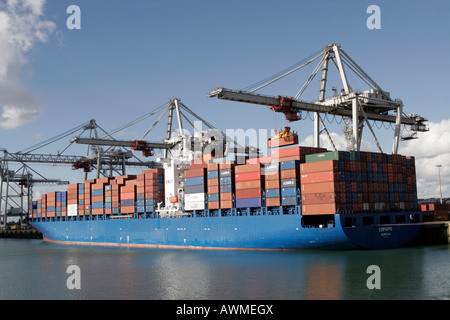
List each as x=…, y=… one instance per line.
x=180, y=150
x=373, y=104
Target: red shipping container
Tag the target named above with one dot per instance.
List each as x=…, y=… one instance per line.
x=248, y=193
x=248, y=176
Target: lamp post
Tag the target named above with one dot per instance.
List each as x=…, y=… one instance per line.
x=440, y=185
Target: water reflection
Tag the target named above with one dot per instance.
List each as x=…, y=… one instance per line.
x=39, y=272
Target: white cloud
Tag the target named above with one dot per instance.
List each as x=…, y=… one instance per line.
x=21, y=27
x=432, y=148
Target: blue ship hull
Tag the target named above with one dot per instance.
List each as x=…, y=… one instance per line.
x=253, y=232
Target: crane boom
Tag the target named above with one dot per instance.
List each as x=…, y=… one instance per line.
x=124, y=143
x=232, y=95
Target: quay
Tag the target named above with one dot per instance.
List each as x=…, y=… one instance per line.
x=21, y=234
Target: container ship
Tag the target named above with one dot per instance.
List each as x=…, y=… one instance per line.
x=208, y=195
x=295, y=198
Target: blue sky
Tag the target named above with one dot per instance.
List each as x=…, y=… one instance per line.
x=131, y=57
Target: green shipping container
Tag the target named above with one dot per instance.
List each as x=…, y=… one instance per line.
x=316, y=157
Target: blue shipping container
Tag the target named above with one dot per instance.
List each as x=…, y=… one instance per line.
x=289, y=201
x=194, y=181
x=291, y=164
x=273, y=193
x=289, y=192
x=248, y=202
x=194, y=189
x=213, y=197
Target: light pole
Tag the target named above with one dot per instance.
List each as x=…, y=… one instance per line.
x=440, y=185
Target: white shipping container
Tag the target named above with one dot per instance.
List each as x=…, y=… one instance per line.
x=194, y=197
x=72, y=207
x=194, y=205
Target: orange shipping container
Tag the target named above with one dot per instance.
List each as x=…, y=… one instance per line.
x=127, y=209
x=227, y=165
x=273, y=175
x=191, y=173
x=272, y=184
x=272, y=202
x=319, y=198
x=289, y=174
x=318, y=177
x=226, y=204
x=248, y=184
x=248, y=168
x=213, y=189
x=318, y=187
x=213, y=182
x=127, y=196
x=213, y=205
x=318, y=209
x=226, y=196
x=97, y=211
x=319, y=166
x=213, y=166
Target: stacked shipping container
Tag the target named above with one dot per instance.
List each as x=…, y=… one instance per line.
x=271, y=172
x=357, y=181
x=327, y=183
x=213, y=186
x=249, y=185
x=195, y=187
x=226, y=184
x=290, y=182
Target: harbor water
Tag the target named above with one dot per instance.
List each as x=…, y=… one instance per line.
x=33, y=269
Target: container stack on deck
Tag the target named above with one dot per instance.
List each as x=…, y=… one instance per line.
x=271, y=172
x=195, y=187
x=249, y=185
x=318, y=181
x=226, y=184
x=356, y=182
x=213, y=186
